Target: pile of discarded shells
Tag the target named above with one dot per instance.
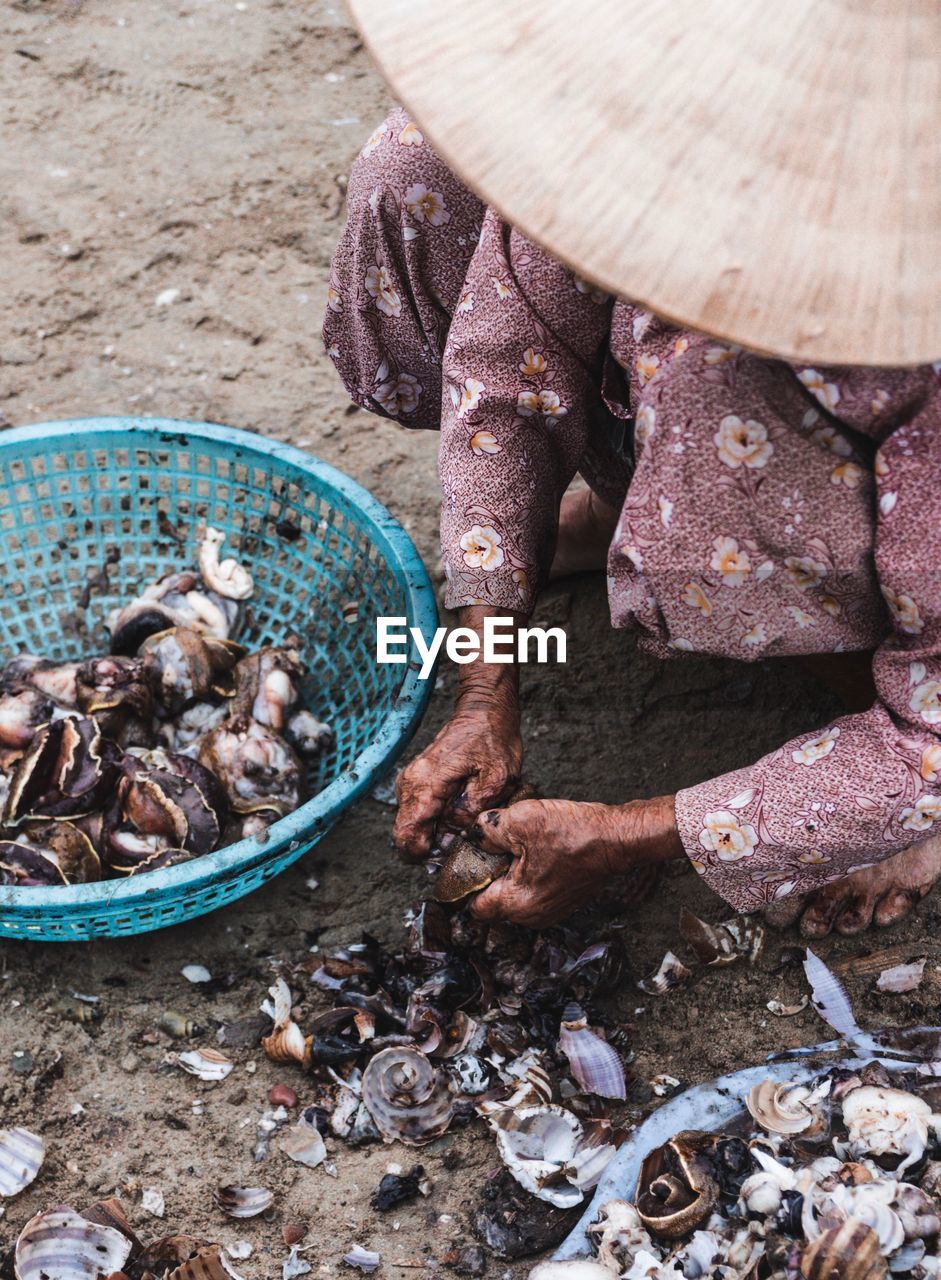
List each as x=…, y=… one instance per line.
x=177, y=742
x=831, y=1180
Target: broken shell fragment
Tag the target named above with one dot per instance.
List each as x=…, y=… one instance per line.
x=671, y=973
x=207, y=1064
x=61, y=1245
x=847, y=1252
x=902, y=978
x=664, y=1086
x=21, y=1154
x=546, y=1151
x=594, y=1064
x=571, y=1269
x=407, y=1097
x=786, y=1108
x=207, y=1263
x=286, y=1043
x=243, y=1202
x=618, y=1235
x=722, y=944
x=304, y=1144
x=364, y=1260
x=787, y=1010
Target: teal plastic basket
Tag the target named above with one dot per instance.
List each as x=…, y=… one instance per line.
x=87, y=513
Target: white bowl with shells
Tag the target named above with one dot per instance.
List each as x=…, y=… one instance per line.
x=863, y=1189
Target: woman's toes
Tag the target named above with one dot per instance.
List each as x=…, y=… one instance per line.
x=897, y=904
x=856, y=915
x=822, y=910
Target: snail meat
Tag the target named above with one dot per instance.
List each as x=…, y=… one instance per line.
x=159, y=752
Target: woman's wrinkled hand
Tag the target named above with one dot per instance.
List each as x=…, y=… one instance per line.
x=565, y=853
x=474, y=762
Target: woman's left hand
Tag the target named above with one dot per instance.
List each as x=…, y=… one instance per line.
x=564, y=853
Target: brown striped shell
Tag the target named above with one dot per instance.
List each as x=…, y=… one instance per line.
x=848, y=1252
x=208, y=1263
x=407, y=1097
x=243, y=1202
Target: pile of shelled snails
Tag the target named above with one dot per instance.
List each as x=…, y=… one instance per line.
x=175, y=743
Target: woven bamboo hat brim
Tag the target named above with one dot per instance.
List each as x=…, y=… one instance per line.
x=766, y=171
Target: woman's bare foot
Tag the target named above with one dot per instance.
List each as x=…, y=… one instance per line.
x=586, y=527
x=882, y=895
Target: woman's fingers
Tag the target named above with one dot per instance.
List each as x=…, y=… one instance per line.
x=509, y=830
x=423, y=793
x=491, y=784
x=495, y=902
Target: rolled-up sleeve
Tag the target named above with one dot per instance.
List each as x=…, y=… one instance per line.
x=869, y=785
x=518, y=397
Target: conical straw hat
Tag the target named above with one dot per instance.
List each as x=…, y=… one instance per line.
x=766, y=171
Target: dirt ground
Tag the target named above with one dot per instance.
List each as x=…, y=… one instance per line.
x=200, y=147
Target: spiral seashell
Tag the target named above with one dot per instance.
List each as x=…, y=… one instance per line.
x=408, y=1098
x=21, y=1154
x=207, y=1064
x=785, y=1108
x=848, y=1252
x=594, y=1064
x=62, y=1244
x=677, y=1190
x=243, y=1202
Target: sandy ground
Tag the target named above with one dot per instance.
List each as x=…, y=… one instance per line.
x=201, y=148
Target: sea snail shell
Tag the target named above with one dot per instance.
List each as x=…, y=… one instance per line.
x=785, y=1108
x=848, y=1252
x=676, y=1190
x=408, y=1098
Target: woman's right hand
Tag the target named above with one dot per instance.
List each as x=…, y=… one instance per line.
x=473, y=763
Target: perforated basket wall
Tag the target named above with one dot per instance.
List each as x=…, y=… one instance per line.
x=88, y=512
